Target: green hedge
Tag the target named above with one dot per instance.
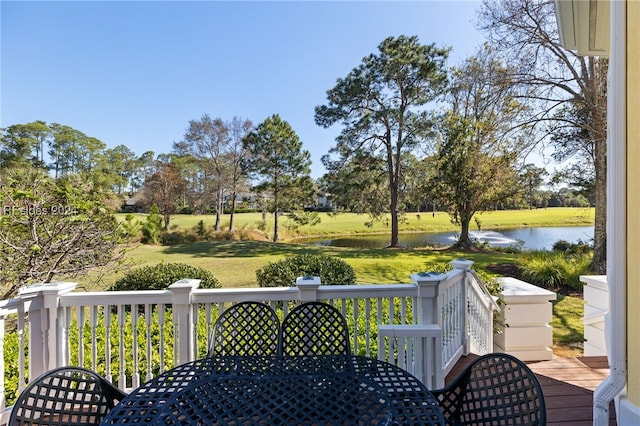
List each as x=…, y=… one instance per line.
x=331, y=270
x=161, y=276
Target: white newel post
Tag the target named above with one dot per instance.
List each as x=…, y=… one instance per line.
x=47, y=334
x=308, y=288
x=427, y=283
x=183, y=323
x=462, y=264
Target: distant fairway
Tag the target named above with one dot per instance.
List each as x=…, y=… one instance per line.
x=234, y=262
x=351, y=223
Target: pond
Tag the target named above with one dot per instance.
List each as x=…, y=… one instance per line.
x=541, y=238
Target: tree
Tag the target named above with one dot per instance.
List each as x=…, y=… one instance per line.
x=359, y=184
x=415, y=183
x=276, y=157
x=527, y=35
x=238, y=129
x=194, y=196
x=24, y=144
x=382, y=107
x=207, y=139
x=145, y=167
x=164, y=188
x=52, y=228
x=532, y=177
x=72, y=151
x=152, y=226
x=218, y=147
x=475, y=160
x=119, y=164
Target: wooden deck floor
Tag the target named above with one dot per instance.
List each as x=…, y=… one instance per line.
x=568, y=384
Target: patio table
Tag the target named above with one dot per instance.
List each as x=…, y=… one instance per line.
x=301, y=390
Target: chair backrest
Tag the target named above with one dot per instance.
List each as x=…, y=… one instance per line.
x=246, y=329
x=315, y=328
x=494, y=389
x=72, y=396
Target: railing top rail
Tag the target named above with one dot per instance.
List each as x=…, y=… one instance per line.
x=366, y=291
x=101, y=298
x=293, y=293
x=144, y=297
x=11, y=306
x=218, y=295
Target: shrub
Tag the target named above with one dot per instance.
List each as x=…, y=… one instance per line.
x=161, y=276
x=541, y=268
x=568, y=248
x=152, y=226
x=131, y=227
x=574, y=266
x=554, y=269
x=331, y=270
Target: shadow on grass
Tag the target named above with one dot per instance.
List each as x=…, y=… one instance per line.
x=224, y=249
x=262, y=248
x=386, y=273
x=567, y=320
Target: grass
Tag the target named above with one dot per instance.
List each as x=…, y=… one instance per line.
x=353, y=224
x=234, y=262
x=568, y=331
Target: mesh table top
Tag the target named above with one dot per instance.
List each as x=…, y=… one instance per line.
x=301, y=390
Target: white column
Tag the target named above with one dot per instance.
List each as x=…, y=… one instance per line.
x=526, y=321
x=183, y=319
x=308, y=288
x=46, y=325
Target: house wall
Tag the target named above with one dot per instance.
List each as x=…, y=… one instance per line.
x=633, y=201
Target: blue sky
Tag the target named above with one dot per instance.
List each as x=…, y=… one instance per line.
x=135, y=73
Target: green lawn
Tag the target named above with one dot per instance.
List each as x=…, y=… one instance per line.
x=567, y=324
x=351, y=223
x=234, y=262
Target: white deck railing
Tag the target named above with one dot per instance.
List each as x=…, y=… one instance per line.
x=131, y=336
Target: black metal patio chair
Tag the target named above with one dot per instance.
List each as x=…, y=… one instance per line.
x=246, y=329
x=70, y=396
x=495, y=389
x=315, y=328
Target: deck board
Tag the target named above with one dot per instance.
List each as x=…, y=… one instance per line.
x=567, y=383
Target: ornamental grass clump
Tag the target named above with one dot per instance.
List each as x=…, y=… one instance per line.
x=554, y=269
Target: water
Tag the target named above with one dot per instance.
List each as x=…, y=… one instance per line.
x=527, y=238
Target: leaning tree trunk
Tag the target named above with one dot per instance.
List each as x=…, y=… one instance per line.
x=599, y=264
x=598, y=109
x=394, y=178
